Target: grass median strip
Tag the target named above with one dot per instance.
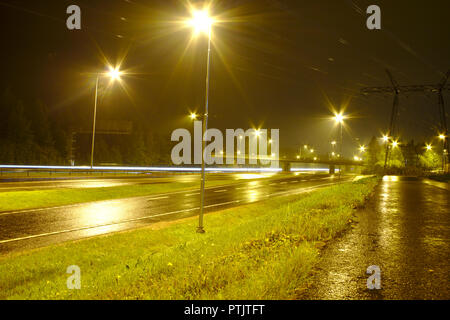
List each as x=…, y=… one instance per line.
x=264, y=250
x=22, y=200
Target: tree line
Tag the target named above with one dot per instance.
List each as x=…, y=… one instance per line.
x=409, y=157
x=32, y=134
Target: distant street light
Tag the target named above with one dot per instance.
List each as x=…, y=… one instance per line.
x=362, y=148
x=443, y=137
x=395, y=144
x=339, y=118
x=202, y=23
x=193, y=116
x=385, y=138
x=114, y=74
x=429, y=147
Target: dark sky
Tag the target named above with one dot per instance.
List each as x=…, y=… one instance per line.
x=275, y=64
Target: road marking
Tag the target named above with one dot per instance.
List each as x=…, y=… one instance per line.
x=284, y=182
x=115, y=223
x=273, y=184
x=192, y=194
x=295, y=181
x=158, y=198
x=223, y=190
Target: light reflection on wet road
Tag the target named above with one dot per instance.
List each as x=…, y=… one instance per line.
x=35, y=228
x=405, y=230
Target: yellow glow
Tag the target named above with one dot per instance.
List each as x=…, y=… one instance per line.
x=298, y=157
x=305, y=146
x=201, y=21
x=333, y=154
x=257, y=132
x=333, y=143
x=339, y=118
x=442, y=136
x=315, y=158
x=385, y=138
x=395, y=144
x=193, y=116
x=312, y=150
x=429, y=147
x=114, y=73
x=362, y=148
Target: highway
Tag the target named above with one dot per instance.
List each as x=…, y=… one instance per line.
x=28, y=229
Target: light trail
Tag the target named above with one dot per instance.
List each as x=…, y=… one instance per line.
x=164, y=169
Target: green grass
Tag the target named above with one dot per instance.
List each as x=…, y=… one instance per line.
x=21, y=200
x=264, y=250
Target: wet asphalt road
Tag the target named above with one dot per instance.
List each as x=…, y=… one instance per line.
x=405, y=230
x=30, y=184
x=27, y=229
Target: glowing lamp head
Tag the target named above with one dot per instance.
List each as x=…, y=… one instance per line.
x=193, y=116
x=395, y=144
x=429, y=147
x=385, y=138
x=114, y=73
x=362, y=148
x=201, y=21
x=442, y=136
x=339, y=118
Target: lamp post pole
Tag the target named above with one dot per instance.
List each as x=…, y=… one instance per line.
x=200, y=228
x=94, y=122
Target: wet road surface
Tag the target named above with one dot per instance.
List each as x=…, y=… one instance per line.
x=27, y=229
x=405, y=230
x=30, y=184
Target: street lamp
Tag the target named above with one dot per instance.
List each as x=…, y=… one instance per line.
x=201, y=22
x=362, y=149
x=193, y=116
x=339, y=118
x=113, y=74
x=442, y=137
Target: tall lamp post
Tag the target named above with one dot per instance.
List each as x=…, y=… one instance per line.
x=339, y=118
x=114, y=74
x=442, y=137
x=202, y=23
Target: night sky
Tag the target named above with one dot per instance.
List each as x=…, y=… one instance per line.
x=275, y=64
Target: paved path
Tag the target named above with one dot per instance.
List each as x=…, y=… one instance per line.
x=405, y=230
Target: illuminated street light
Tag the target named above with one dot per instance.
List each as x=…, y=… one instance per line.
x=201, y=22
x=333, y=143
x=429, y=147
x=362, y=148
x=193, y=116
x=442, y=136
x=339, y=118
x=114, y=74
x=395, y=144
x=385, y=138
x=312, y=150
